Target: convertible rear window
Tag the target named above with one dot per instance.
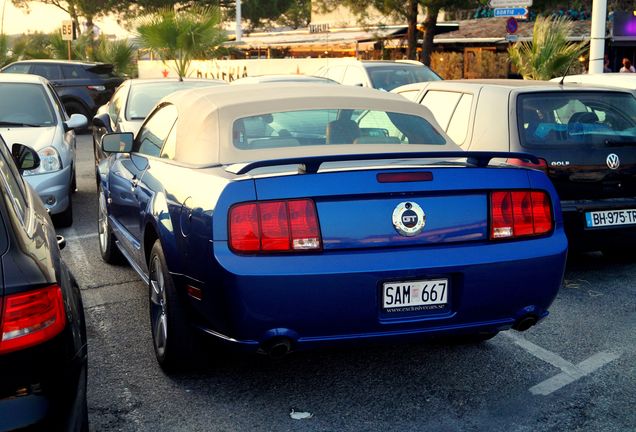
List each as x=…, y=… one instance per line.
x=576, y=118
x=332, y=126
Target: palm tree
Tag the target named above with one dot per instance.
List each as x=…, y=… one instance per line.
x=549, y=54
x=180, y=36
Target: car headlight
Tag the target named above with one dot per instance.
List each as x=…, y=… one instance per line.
x=49, y=161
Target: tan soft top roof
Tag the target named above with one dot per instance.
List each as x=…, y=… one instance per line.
x=206, y=116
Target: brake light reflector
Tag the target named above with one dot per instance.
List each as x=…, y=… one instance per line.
x=541, y=166
x=31, y=318
x=274, y=226
x=519, y=214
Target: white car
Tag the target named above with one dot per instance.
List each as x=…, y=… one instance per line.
x=32, y=114
x=613, y=79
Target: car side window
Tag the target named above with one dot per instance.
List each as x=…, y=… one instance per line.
x=114, y=108
x=170, y=147
x=48, y=71
x=442, y=104
x=354, y=76
x=73, y=72
x=18, y=68
x=155, y=131
x=58, y=103
x=458, y=126
x=13, y=184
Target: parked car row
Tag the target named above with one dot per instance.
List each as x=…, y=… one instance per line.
x=283, y=214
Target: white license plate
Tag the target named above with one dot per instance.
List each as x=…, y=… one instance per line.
x=415, y=295
x=610, y=218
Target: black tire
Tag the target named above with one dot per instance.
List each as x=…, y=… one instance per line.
x=173, y=338
x=74, y=181
x=107, y=248
x=65, y=218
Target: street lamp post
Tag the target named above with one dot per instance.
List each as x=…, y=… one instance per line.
x=597, y=36
x=239, y=31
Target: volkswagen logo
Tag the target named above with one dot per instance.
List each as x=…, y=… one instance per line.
x=409, y=219
x=613, y=162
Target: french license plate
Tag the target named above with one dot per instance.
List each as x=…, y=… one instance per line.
x=610, y=218
x=414, y=295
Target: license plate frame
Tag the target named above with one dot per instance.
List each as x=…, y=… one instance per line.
x=610, y=218
x=421, y=295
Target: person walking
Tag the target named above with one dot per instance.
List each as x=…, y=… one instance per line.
x=627, y=66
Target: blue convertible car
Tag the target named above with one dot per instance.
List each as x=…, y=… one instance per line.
x=281, y=217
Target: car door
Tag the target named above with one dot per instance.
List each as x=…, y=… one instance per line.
x=129, y=192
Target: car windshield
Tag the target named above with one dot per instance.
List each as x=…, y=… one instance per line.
x=395, y=75
x=576, y=118
x=143, y=97
x=25, y=105
x=332, y=126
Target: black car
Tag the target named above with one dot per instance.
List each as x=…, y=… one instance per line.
x=82, y=86
x=43, y=355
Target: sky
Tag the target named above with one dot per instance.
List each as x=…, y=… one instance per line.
x=45, y=18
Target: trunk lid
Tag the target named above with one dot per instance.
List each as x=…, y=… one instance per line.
x=356, y=211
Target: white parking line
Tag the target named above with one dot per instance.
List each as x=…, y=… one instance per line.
x=570, y=372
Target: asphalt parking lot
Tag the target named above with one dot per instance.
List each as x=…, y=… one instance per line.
x=576, y=371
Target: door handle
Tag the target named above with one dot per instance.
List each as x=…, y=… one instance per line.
x=134, y=183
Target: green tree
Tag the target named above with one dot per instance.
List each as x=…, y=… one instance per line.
x=549, y=54
x=297, y=15
x=181, y=36
x=406, y=11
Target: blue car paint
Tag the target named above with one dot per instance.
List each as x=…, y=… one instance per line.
x=320, y=298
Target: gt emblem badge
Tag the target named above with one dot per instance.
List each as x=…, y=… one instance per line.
x=613, y=162
x=409, y=219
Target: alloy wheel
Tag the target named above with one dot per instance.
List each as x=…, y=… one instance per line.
x=103, y=223
x=158, y=309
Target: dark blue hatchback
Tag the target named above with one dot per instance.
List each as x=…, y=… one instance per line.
x=283, y=217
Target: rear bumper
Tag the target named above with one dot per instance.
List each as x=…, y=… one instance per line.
x=582, y=238
x=318, y=300
x=41, y=388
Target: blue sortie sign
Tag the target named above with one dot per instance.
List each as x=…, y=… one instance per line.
x=510, y=12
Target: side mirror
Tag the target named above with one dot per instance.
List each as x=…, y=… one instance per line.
x=25, y=157
x=117, y=142
x=76, y=121
x=102, y=121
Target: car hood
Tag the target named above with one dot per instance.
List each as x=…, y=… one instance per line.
x=35, y=137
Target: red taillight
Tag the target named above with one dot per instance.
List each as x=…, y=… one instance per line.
x=519, y=214
x=541, y=166
x=31, y=318
x=274, y=226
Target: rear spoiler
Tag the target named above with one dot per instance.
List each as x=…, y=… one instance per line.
x=311, y=164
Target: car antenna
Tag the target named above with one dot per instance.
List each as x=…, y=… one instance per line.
x=570, y=65
x=566, y=71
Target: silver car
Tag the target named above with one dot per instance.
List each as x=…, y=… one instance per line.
x=131, y=103
x=32, y=114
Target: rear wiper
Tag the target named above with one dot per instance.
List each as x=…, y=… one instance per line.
x=19, y=124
